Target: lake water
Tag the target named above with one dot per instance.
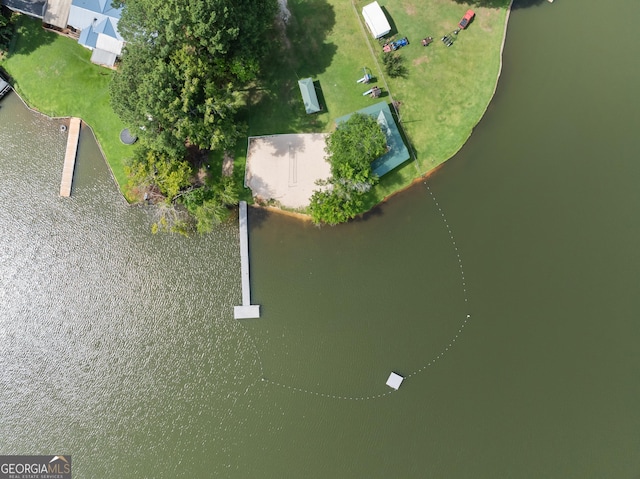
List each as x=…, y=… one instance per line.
x=504, y=288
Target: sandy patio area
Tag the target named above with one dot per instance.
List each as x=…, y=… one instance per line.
x=285, y=168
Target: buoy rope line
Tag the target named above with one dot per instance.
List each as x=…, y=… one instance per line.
x=425, y=366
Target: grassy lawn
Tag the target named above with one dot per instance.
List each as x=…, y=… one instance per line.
x=443, y=96
x=325, y=42
x=54, y=75
x=447, y=89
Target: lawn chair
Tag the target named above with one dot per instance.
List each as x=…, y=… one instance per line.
x=427, y=41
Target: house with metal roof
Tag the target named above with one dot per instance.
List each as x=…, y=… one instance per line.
x=97, y=21
x=397, y=152
x=33, y=8
x=309, y=97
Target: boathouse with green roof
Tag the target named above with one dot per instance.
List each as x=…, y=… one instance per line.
x=397, y=152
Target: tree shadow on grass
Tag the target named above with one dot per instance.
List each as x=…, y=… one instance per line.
x=276, y=106
x=310, y=23
x=29, y=36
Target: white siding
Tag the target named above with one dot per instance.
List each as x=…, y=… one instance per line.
x=109, y=44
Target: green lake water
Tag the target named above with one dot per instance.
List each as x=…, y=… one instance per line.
x=505, y=288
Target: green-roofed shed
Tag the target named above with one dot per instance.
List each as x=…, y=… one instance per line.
x=397, y=153
x=309, y=96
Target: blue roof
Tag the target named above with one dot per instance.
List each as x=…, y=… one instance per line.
x=397, y=153
x=106, y=27
x=88, y=37
x=98, y=6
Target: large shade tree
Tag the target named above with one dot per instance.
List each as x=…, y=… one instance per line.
x=185, y=66
x=183, y=76
x=351, y=149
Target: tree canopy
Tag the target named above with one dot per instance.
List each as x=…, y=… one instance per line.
x=184, y=74
x=184, y=67
x=351, y=148
x=6, y=29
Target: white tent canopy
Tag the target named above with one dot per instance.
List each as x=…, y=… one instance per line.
x=376, y=20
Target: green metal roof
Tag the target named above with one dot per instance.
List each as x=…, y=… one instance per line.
x=398, y=152
x=309, y=97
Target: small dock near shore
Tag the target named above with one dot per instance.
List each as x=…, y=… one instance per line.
x=70, y=157
x=247, y=310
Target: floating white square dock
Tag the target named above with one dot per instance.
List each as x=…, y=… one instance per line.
x=394, y=381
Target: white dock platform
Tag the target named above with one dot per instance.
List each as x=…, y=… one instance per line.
x=394, y=381
x=70, y=157
x=247, y=310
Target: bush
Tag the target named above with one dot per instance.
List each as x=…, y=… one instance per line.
x=394, y=65
x=351, y=149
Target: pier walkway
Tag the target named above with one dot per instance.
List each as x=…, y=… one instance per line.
x=70, y=157
x=247, y=310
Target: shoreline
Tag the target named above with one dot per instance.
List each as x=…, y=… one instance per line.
x=65, y=120
x=435, y=169
x=408, y=183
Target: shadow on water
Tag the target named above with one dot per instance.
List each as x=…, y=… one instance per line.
x=257, y=217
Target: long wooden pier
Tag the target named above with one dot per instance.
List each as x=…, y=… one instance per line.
x=70, y=157
x=247, y=310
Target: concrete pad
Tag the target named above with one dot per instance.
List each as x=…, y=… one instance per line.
x=285, y=168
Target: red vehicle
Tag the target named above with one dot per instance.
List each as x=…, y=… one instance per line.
x=466, y=19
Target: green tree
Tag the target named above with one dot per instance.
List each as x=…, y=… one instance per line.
x=185, y=67
x=6, y=29
x=209, y=205
x=394, y=65
x=157, y=175
x=183, y=77
x=351, y=149
x=353, y=146
x=336, y=204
